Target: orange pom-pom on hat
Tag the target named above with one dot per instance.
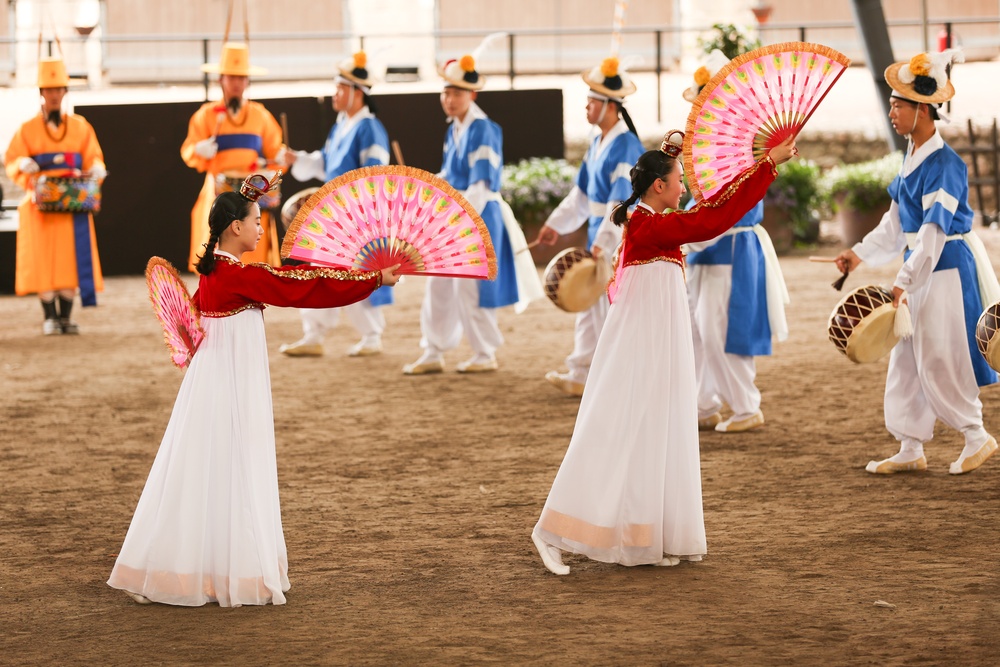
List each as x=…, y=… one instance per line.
x=609, y=67
x=701, y=76
x=467, y=63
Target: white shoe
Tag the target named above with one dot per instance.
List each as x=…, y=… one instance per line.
x=476, y=365
x=564, y=383
x=668, y=561
x=551, y=556
x=51, y=328
x=710, y=422
x=300, y=349
x=424, y=366
x=738, y=426
x=889, y=467
x=962, y=466
x=141, y=599
x=363, y=349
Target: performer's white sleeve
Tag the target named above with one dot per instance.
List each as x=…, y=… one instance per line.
x=884, y=243
x=609, y=235
x=927, y=249
x=308, y=166
x=572, y=212
x=477, y=194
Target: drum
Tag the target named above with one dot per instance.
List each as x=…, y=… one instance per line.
x=67, y=194
x=229, y=182
x=291, y=207
x=861, y=326
x=574, y=280
x=986, y=335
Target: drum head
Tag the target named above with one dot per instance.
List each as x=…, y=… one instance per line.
x=572, y=281
x=293, y=204
x=873, y=338
x=861, y=326
x=986, y=335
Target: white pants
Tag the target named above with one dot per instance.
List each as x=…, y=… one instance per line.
x=366, y=318
x=589, y=324
x=451, y=307
x=722, y=377
x=930, y=376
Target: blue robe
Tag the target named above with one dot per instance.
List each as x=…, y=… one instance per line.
x=604, y=176
x=748, y=331
x=478, y=156
x=941, y=182
x=366, y=144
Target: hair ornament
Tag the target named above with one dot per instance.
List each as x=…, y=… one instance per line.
x=673, y=143
x=256, y=186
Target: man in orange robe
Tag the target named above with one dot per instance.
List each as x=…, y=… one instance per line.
x=56, y=252
x=232, y=138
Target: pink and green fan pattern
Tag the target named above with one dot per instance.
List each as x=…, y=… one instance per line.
x=376, y=217
x=751, y=105
x=180, y=319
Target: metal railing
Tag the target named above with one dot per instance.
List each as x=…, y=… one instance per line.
x=308, y=56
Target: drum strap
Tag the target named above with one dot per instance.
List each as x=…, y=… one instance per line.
x=84, y=258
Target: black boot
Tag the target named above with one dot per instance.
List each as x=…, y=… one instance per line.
x=65, y=308
x=51, y=325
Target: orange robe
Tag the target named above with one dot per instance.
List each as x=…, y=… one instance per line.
x=46, y=249
x=251, y=134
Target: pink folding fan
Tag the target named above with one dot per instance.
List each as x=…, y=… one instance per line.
x=172, y=304
x=752, y=104
x=376, y=217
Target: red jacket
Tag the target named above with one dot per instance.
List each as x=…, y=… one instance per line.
x=233, y=287
x=651, y=237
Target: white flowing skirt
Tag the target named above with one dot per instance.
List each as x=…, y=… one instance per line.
x=629, y=489
x=208, y=524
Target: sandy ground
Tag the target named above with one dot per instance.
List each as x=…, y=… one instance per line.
x=408, y=502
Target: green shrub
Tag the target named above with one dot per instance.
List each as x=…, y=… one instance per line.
x=861, y=186
x=534, y=187
x=796, y=191
x=729, y=39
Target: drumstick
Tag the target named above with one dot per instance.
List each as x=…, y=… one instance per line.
x=284, y=127
x=527, y=247
x=397, y=151
x=814, y=258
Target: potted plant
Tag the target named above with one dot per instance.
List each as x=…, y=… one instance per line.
x=533, y=188
x=730, y=39
x=858, y=194
x=790, y=214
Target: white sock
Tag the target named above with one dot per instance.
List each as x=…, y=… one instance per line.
x=909, y=450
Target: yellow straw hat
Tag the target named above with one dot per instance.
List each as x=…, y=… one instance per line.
x=926, y=77
x=234, y=61
x=715, y=61
x=609, y=79
x=462, y=73
x=355, y=70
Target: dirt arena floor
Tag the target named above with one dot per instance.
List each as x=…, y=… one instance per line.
x=408, y=503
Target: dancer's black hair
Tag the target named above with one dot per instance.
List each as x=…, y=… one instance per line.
x=650, y=166
x=226, y=208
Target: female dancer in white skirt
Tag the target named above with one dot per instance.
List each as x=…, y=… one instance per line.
x=208, y=524
x=629, y=489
